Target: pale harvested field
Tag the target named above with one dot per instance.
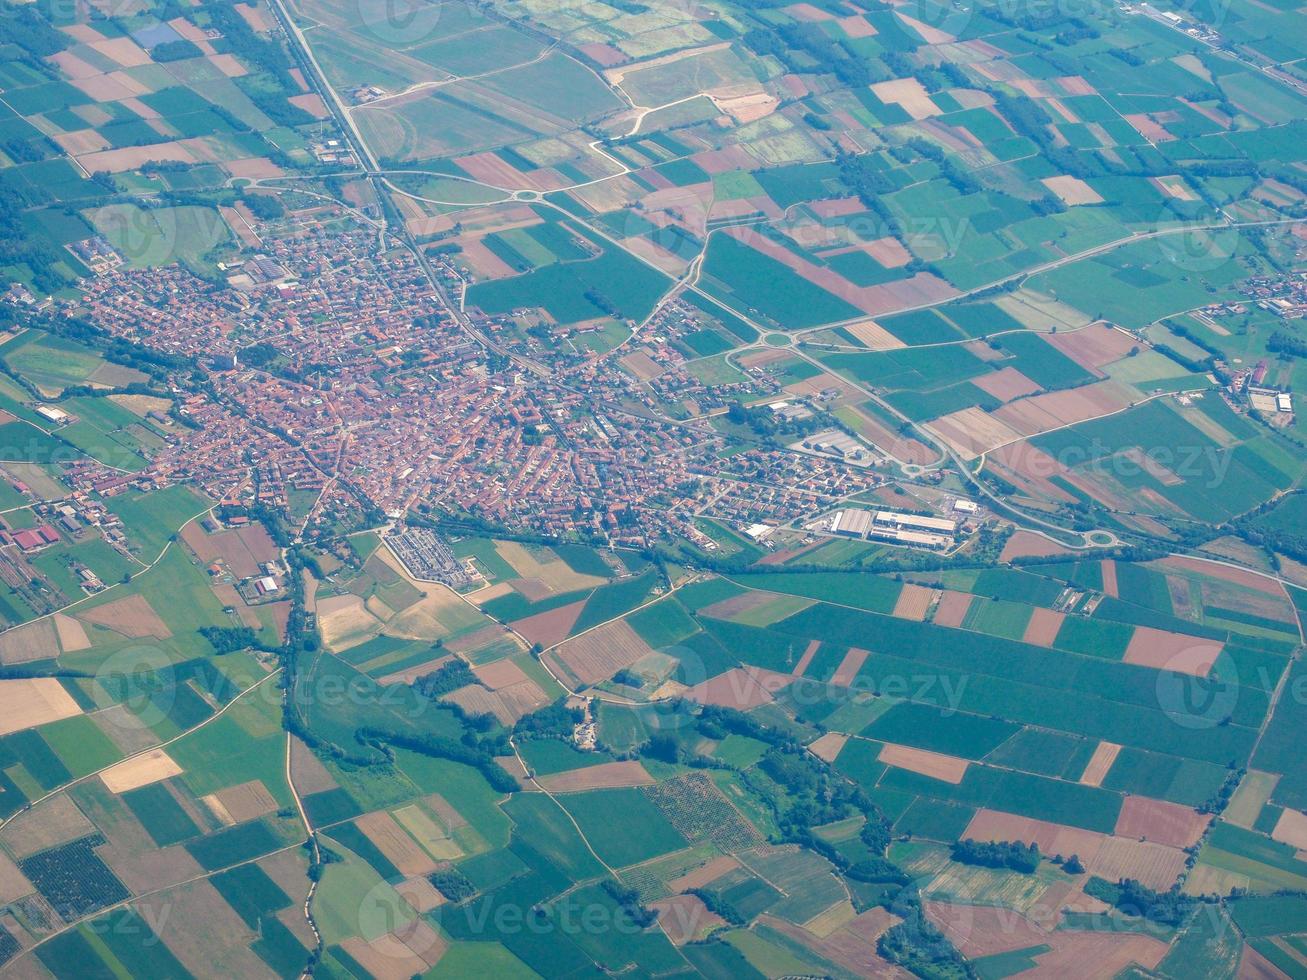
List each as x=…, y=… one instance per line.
x=30, y=642
x=1238, y=576
x=56, y=821
x=909, y=94
x=1039, y=413
x=914, y=602
x=704, y=874
x=1109, y=578
x=123, y=50
x=1148, y=127
x=872, y=335
x=1253, y=793
x=391, y=840
x=125, y=729
x=218, y=810
x=1100, y=763
x=1154, y=865
x=31, y=701
x=134, y=157
x=1093, y=346
x=551, y=627
x=252, y=168
x=828, y=746
x=806, y=659
x=387, y=957
x=344, y=622
x=1006, y=383
x=849, y=667
x=1052, y=838
x=438, y=613
x=606, y=775
x=420, y=894
x=501, y=674
x=973, y=431
x=952, y=608
x=1072, y=190
x=508, y=704
x=555, y=573
x=247, y=801
x=13, y=885
x=740, y=687
x=684, y=918
x=201, y=927
x=948, y=768
x=1028, y=544
x=1172, y=651
x=485, y=263
x=490, y=592
x=310, y=775
x=597, y=655
x=430, y=835
x=229, y=65
x=80, y=142
x=1291, y=829
x=1163, y=822
x=72, y=635
x=828, y=921
x=978, y=930
x=142, y=770
x=1043, y=627
x=132, y=616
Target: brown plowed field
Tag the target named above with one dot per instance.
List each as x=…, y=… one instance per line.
x=599, y=654
x=952, y=608
x=132, y=616
x=1157, y=820
x=948, y=768
x=1043, y=627
x=914, y=602
x=1172, y=651
x=606, y=775
x=741, y=688
x=849, y=667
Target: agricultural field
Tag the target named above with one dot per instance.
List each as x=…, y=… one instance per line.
x=648, y=489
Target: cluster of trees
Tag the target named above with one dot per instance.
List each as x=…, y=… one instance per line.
x=555, y=720
x=479, y=753
x=453, y=884
x=628, y=899
x=178, y=50
x=1282, y=342
x=1129, y=896
x=229, y=639
x=1014, y=855
x=444, y=679
x=918, y=946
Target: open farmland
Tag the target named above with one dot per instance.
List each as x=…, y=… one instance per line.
x=646, y=489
